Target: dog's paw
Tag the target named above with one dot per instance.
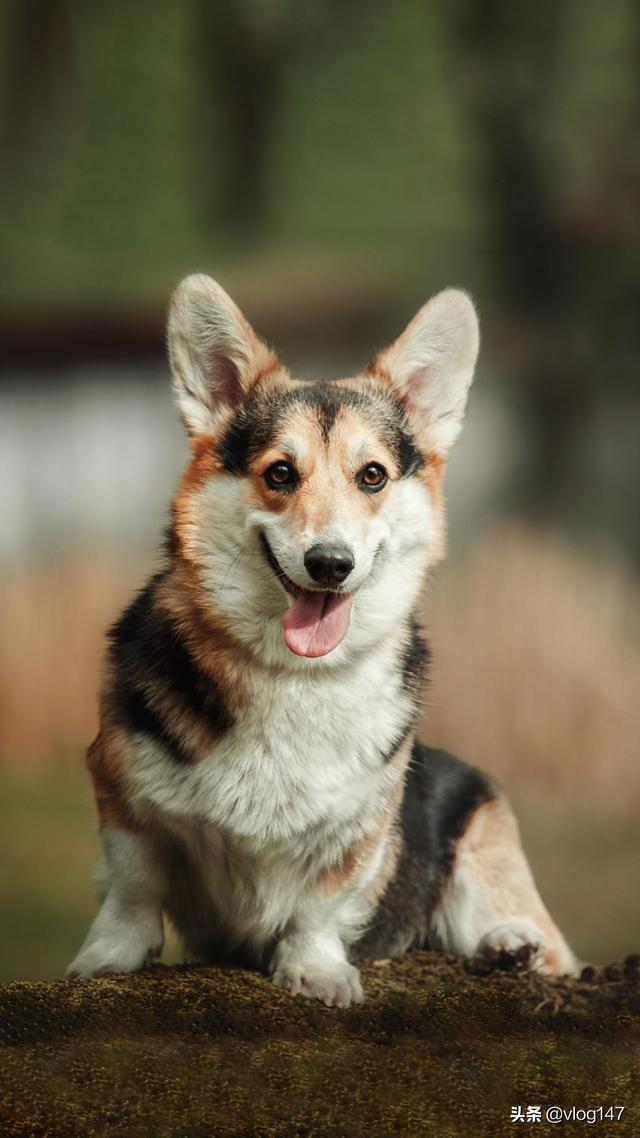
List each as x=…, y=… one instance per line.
x=110, y=954
x=513, y=947
x=336, y=983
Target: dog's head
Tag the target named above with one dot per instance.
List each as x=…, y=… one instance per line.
x=310, y=512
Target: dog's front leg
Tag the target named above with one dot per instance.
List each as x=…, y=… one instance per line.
x=311, y=960
x=128, y=930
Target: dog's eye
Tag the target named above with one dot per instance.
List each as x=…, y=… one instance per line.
x=373, y=477
x=281, y=476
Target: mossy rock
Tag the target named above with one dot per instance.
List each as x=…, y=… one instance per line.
x=208, y=1052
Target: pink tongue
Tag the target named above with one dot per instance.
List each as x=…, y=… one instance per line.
x=317, y=622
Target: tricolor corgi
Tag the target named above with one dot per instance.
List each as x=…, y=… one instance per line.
x=256, y=773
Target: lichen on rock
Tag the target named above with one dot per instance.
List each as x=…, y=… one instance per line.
x=205, y=1051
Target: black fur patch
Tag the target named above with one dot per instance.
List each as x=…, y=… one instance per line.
x=147, y=649
x=441, y=793
x=234, y=448
x=171, y=544
x=399, y=739
x=415, y=662
x=258, y=421
x=415, y=665
x=139, y=717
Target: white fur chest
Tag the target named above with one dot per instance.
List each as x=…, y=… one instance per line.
x=306, y=754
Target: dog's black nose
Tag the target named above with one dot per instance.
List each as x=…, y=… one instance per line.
x=329, y=564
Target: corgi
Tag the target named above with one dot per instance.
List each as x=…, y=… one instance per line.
x=256, y=773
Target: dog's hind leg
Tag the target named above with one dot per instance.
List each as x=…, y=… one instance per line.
x=490, y=908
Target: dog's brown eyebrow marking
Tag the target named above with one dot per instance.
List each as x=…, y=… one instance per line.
x=258, y=420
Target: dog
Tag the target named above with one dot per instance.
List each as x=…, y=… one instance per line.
x=256, y=773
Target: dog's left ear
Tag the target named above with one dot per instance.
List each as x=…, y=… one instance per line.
x=215, y=355
x=431, y=364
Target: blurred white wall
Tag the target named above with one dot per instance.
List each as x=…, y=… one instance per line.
x=89, y=459
x=93, y=459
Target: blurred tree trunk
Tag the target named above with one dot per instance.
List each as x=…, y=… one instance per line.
x=239, y=49
x=511, y=60
x=37, y=79
x=510, y=47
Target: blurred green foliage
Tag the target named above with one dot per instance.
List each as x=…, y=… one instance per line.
x=491, y=142
x=48, y=843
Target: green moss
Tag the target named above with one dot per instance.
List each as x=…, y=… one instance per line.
x=209, y=1051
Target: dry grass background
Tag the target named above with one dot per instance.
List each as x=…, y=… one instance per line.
x=53, y=618
x=536, y=672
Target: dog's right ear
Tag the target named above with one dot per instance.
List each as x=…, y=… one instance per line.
x=431, y=364
x=214, y=353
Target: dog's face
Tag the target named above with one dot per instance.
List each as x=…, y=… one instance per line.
x=310, y=512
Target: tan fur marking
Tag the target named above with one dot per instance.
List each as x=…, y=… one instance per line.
x=300, y=444
x=350, y=427
x=335, y=877
x=203, y=464
x=491, y=852
x=182, y=596
x=390, y=861
x=376, y=371
x=261, y=497
x=432, y=477
x=434, y=472
x=272, y=369
x=327, y=471
x=217, y=656
x=215, y=652
x=106, y=761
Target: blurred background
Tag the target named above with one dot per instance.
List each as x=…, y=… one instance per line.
x=332, y=165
